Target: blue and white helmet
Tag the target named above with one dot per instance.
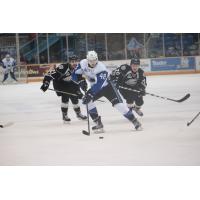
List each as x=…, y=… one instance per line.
x=8, y=57
x=92, y=58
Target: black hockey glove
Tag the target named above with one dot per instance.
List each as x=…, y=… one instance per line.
x=92, y=80
x=79, y=94
x=44, y=86
x=83, y=85
x=141, y=88
x=142, y=92
x=116, y=84
x=88, y=97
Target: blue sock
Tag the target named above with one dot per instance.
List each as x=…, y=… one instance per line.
x=129, y=115
x=93, y=113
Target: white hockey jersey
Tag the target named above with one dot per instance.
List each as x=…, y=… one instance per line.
x=97, y=76
x=8, y=65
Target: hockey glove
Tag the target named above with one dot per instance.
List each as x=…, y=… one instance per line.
x=141, y=87
x=83, y=85
x=116, y=84
x=44, y=86
x=88, y=97
x=79, y=94
x=142, y=92
x=92, y=80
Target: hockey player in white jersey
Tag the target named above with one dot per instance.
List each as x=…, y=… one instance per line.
x=97, y=75
x=9, y=66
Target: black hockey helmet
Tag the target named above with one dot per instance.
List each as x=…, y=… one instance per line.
x=73, y=57
x=135, y=61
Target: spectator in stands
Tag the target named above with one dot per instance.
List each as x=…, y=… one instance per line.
x=43, y=59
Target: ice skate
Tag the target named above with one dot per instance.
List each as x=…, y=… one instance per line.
x=81, y=116
x=98, y=128
x=15, y=82
x=137, y=110
x=137, y=124
x=66, y=119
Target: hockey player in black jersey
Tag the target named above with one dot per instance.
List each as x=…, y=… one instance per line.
x=131, y=76
x=62, y=81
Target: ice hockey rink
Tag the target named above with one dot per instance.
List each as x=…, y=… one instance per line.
x=39, y=137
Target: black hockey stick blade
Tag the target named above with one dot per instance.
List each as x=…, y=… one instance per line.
x=6, y=125
x=154, y=95
x=174, y=100
x=86, y=133
x=188, y=123
x=193, y=119
x=184, y=98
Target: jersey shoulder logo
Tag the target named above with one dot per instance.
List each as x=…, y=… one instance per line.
x=123, y=67
x=60, y=66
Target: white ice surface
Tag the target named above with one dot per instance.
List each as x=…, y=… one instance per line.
x=39, y=137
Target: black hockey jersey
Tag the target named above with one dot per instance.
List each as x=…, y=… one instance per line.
x=62, y=79
x=124, y=76
x=61, y=73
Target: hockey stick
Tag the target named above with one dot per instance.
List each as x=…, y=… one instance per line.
x=166, y=98
x=75, y=95
x=88, y=120
x=193, y=119
x=6, y=125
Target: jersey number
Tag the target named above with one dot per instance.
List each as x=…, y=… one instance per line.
x=103, y=76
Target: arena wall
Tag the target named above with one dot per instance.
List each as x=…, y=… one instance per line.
x=153, y=66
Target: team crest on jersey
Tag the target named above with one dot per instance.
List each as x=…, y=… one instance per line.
x=131, y=79
x=131, y=82
x=129, y=76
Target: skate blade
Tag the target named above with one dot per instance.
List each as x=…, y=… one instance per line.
x=66, y=122
x=139, y=129
x=82, y=119
x=101, y=130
